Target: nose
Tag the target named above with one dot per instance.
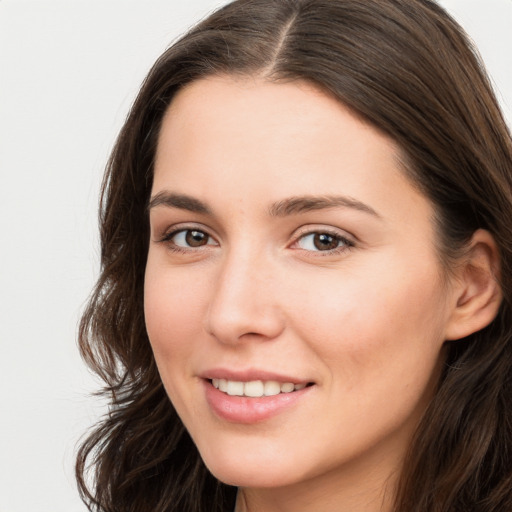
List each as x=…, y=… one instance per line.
x=244, y=303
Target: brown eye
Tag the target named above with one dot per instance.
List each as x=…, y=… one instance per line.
x=322, y=242
x=196, y=238
x=190, y=238
x=325, y=242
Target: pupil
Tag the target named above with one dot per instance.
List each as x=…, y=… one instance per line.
x=196, y=238
x=324, y=241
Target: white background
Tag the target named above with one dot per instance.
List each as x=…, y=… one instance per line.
x=69, y=71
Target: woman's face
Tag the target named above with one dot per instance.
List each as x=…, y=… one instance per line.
x=288, y=251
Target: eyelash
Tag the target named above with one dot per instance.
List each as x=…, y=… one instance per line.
x=168, y=239
x=346, y=243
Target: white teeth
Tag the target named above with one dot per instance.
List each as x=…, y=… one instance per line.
x=287, y=387
x=272, y=388
x=235, y=388
x=255, y=388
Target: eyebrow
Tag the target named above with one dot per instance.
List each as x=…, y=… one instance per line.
x=303, y=204
x=181, y=201
x=290, y=206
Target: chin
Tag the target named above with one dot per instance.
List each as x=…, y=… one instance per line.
x=257, y=472
x=254, y=477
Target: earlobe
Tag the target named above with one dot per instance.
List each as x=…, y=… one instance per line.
x=477, y=293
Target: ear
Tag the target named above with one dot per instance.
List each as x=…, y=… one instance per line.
x=476, y=291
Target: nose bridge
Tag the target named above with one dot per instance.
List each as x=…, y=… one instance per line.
x=243, y=300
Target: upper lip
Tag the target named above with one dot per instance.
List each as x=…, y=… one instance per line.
x=250, y=375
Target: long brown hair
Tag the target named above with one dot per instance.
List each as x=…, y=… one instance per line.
x=407, y=68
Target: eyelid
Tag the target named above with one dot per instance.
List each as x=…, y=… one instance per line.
x=342, y=235
x=171, y=229
x=174, y=229
x=321, y=228
x=303, y=231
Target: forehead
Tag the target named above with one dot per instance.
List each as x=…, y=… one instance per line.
x=237, y=138
x=219, y=101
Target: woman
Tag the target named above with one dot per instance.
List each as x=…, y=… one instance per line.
x=306, y=271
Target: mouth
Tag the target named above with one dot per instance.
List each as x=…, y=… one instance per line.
x=240, y=397
x=256, y=388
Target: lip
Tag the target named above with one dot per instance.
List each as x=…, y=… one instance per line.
x=246, y=410
x=249, y=375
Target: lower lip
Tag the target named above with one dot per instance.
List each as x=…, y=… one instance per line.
x=242, y=409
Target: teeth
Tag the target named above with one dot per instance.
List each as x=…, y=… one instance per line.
x=272, y=388
x=255, y=388
x=287, y=387
x=235, y=388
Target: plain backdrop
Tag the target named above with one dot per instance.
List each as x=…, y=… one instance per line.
x=69, y=70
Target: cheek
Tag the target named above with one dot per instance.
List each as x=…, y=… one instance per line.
x=173, y=306
x=372, y=325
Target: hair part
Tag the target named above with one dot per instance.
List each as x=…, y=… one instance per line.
x=406, y=68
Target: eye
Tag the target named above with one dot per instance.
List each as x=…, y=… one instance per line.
x=189, y=238
x=323, y=241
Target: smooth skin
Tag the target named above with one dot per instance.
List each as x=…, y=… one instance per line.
x=293, y=243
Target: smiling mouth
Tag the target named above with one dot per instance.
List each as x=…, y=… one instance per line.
x=256, y=388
